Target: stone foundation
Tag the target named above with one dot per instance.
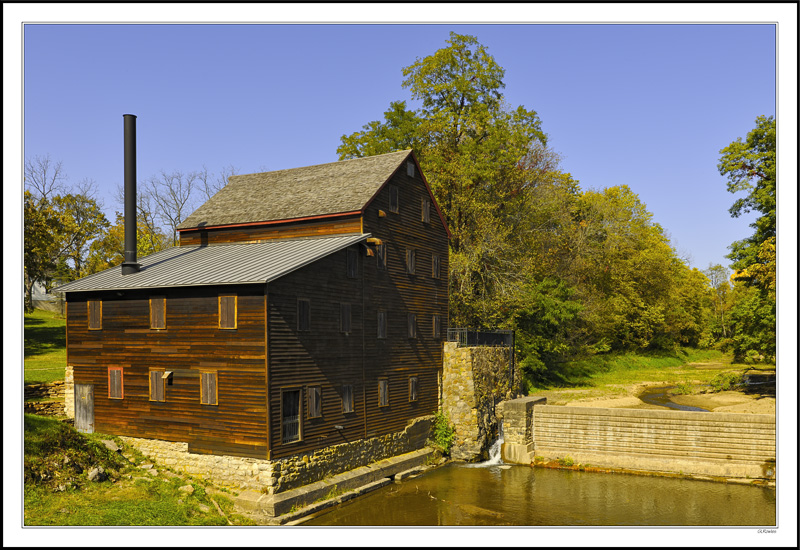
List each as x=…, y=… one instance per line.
x=275, y=476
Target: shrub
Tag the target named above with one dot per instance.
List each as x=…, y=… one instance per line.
x=725, y=381
x=443, y=433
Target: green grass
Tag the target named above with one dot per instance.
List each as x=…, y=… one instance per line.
x=58, y=492
x=45, y=347
x=605, y=372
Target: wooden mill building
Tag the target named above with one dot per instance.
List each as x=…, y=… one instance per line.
x=303, y=308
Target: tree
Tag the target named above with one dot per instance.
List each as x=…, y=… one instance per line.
x=470, y=145
x=108, y=250
x=750, y=166
x=41, y=249
x=44, y=178
x=719, y=279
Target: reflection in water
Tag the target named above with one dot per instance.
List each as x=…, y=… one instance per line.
x=519, y=495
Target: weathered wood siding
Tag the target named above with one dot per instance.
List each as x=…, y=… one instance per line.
x=393, y=290
x=334, y=226
x=192, y=342
x=322, y=356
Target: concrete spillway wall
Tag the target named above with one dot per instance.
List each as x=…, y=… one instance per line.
x=707, y=444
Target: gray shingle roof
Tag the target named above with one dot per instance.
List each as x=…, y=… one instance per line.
x=222, y=264
x=333, y=188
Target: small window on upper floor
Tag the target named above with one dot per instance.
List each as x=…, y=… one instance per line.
x=426, y=211
x=345, y=318
x=436, y=266
x=303, y=315
x=382, y=329
x=158, y=313
x=410, y=169
x=412, y=325
x=95, y=310
x=411, y=261
x=394, y=199
x=227, y=311
x=382, y=255
x=437, y=326
x=352, y=262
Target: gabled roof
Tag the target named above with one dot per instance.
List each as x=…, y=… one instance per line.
x=223, y=264
x=312, y=191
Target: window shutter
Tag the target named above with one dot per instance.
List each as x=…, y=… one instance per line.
x=383, y=393
x=394, y=199
x=157, y=385
x=95, y=308
x=115, y=383
x=381, y=324
x=352, y=263
x=410, y=260
x=345, y=318
x=426, y=211
x=436, y=266
x=382, y=256
x=412, y=325
x=347, y=398
x=158, y=315
x=412, y=388
x=208, y=388
x=314, y=402
x=227, y=312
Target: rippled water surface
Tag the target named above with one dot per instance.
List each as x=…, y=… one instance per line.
x=519, y=495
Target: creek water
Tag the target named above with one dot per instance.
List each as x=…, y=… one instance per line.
x=501, y=494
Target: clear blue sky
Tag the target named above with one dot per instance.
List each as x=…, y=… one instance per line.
x=648, y=106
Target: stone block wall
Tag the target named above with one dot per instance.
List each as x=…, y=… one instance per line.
x=53, y=392
x=275, y=476
x=709, y=444
x=474, y=381
x=69, y=392
x=517, y=416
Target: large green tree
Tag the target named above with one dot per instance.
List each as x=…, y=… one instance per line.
x=750, y=167
x=471, y=145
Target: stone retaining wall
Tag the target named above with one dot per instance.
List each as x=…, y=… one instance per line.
x=275, y=476
x=708, y=444
x=474, y=381
x=53, y=396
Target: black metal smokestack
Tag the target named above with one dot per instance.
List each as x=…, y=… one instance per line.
x=129, y=265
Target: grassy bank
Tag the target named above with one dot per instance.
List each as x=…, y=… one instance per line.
x=45, y=347
x=613, y=374
x=62, y=486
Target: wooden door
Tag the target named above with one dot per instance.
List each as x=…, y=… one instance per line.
x=84, y=408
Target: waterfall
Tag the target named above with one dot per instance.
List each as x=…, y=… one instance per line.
x=494, y=451
x=495, y=457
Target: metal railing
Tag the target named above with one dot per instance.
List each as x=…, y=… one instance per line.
x=473, y=337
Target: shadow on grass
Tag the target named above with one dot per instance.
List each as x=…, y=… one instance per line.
x=43, y=339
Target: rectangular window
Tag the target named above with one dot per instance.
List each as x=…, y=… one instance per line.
x=436, y=266
x=394, y=199
x=345, y=318
x=303, y=315
x=208, y=388
x=410, y=169
x=381, y=324
x=157, y=384
x=314, y=402
x=426, y=211
x=95, y=314
x=437, y=326
x=383, y=393
x=412, y=325
x=382, y=252
x=413, y=382
x=290, y=416
x=411, y=260
x=352, y=263
x=158, y=313
x=115, y=383
x=347, y=398
x=227, y=311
